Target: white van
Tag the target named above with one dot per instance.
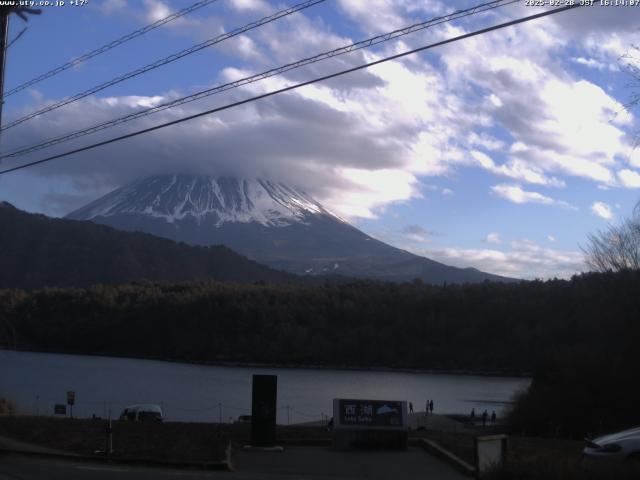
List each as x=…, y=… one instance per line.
x=142, y=413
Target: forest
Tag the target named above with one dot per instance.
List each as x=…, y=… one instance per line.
x=578, y=337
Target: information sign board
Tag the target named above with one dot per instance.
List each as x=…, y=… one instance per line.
x=370, y=414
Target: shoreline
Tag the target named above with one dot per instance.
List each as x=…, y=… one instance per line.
x=239, y=364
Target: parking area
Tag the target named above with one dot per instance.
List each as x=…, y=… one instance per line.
x=323, y=463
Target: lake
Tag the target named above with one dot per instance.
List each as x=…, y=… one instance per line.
x=37, y=381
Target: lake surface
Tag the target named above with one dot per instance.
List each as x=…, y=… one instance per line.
x=37, y=381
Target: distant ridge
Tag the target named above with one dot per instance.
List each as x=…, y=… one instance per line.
x=38, y=251
x=268, y=221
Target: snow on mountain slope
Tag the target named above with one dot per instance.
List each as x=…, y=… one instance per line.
x=218, y=199
x=270, y=222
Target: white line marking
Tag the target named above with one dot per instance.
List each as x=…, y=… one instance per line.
x=102, y=469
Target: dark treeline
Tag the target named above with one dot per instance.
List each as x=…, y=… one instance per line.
x=579, y=337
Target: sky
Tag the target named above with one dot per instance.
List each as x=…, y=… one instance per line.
x=501, y=152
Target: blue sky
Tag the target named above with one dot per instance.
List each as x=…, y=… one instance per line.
x=500, y=152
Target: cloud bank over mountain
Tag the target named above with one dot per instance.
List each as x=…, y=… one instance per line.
x=524, y=105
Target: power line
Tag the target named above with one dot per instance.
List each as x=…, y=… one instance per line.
x=293, y=87
x=109, y=46
x=166, y=60
x=261, y=76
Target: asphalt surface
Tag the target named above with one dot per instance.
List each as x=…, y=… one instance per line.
x=304, y=463
x=18, y=467
x=321, y=463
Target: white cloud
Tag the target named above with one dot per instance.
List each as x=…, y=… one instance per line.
x=245, y=47
x=629, y=178
x=371, y=189
x=364, y=141
x=493, y=237
x=563, y=125
x=486, y=141
x=157, y=10
x=551, y=238
x=516, y=169
x=259, y=6
x=590, y=62
x=524, y=259
x=515, y=194
x=374, y=16
x=602, y=210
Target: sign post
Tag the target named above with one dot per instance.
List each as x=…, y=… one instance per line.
x=370, y=424
x=71, y=399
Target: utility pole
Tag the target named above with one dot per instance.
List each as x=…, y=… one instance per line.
x=4, y=37
x=5, y=12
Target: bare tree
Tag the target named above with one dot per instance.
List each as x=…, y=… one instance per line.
x=616, y=248
x=630, y=62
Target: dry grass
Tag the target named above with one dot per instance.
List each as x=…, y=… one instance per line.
x=167, y=441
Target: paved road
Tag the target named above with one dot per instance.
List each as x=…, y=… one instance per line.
x=16, y=467
x=304, y=463
x=318, y=463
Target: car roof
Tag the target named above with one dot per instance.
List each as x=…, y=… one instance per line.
x=632, y=433
x=145, y=407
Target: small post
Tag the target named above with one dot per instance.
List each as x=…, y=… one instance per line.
x=220, y=413
x=71, y=399
x=288, y=414
x=109, y=446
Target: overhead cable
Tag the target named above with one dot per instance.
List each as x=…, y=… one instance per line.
x=293, y=87
x=108, y=46
x=164, y=61
x=261, y=76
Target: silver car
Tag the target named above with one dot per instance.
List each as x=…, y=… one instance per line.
x=622, y=445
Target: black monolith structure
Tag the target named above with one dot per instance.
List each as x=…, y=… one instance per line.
x=263, y=410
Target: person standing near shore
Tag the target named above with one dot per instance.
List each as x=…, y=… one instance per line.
x=431, y=406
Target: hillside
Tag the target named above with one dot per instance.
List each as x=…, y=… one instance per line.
x=38, y=251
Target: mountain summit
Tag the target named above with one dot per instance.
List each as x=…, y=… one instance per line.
x=206, y=200
x=270, y=222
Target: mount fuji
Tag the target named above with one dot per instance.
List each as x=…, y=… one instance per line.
x=270, y=222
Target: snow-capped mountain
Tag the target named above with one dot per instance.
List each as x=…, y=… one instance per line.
x=216, y=200
x=267, y=221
